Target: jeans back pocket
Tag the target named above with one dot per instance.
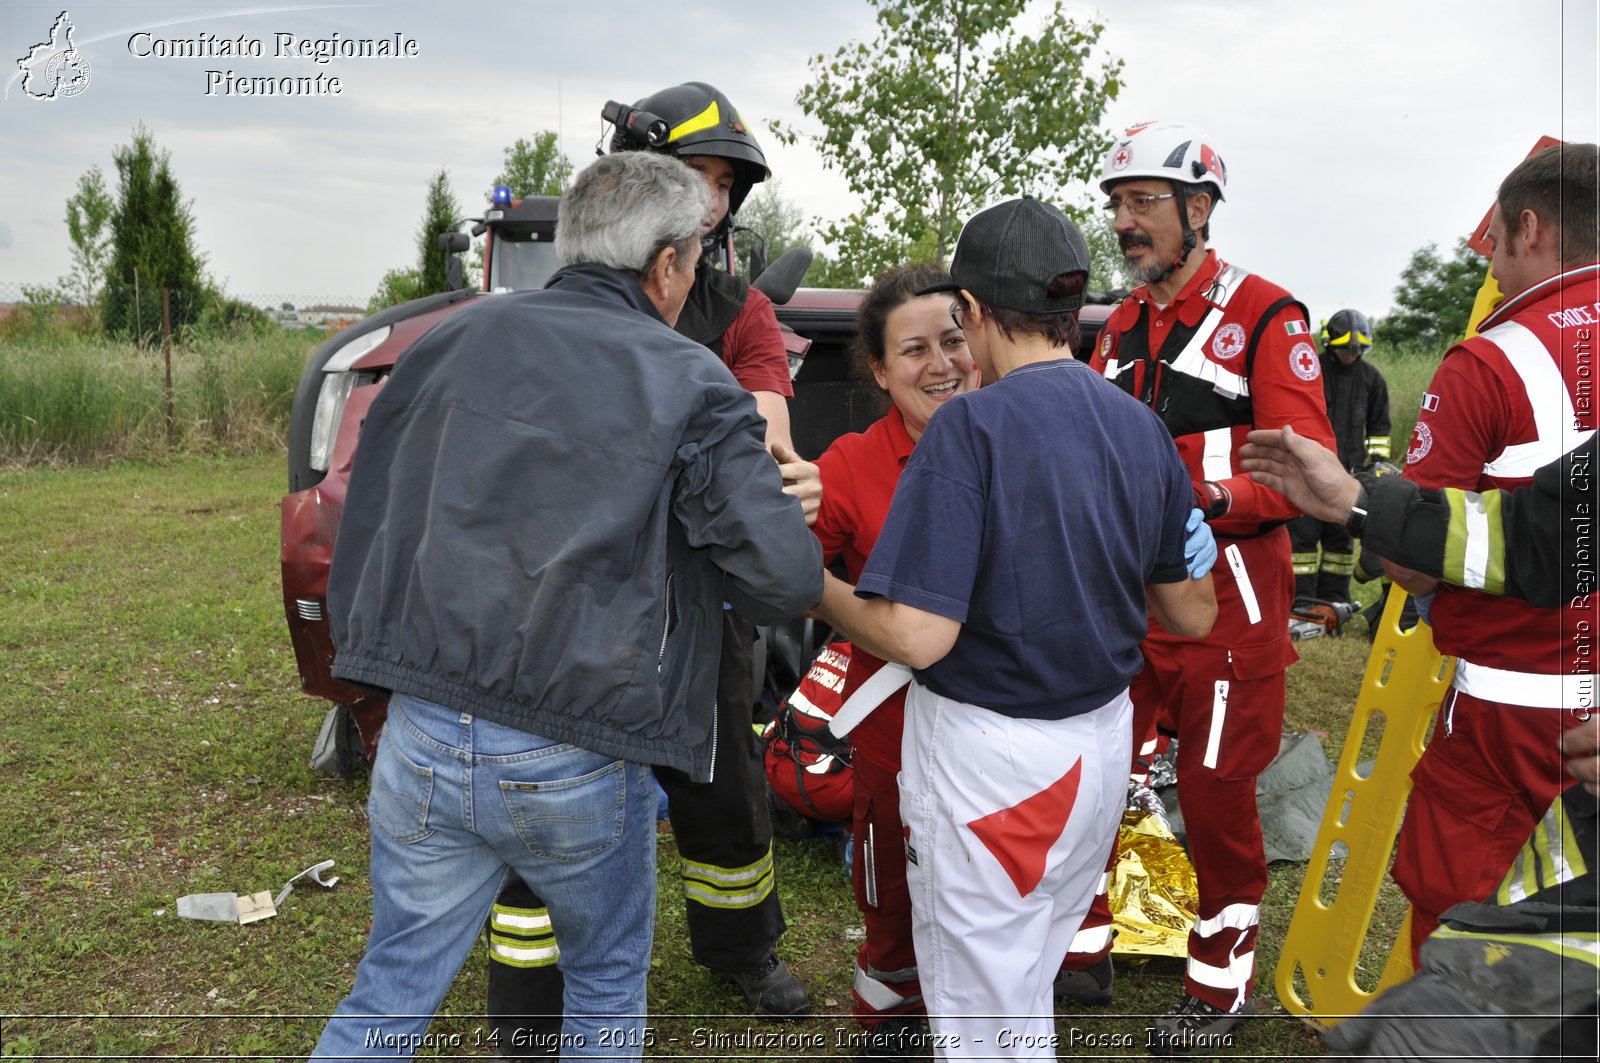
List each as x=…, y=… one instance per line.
x=401, y=792
x=568, y=820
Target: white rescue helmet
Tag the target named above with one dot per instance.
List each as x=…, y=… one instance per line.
x=1171, y=151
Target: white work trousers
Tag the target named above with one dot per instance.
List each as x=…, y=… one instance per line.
x=1008, y=826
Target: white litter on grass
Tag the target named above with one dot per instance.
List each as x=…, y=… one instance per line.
x=254, y=907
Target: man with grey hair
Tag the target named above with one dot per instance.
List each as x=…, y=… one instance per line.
x=553, y=496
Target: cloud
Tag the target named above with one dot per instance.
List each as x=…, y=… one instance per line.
x=1340, y=169
x=5, y=235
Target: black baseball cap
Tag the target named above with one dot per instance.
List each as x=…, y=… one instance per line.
x=1009, y=254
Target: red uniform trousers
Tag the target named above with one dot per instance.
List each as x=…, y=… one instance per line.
x=1094, y=939
x=1223, y=698
x=885, y=982
x=1229, y=729
x=1488, y=776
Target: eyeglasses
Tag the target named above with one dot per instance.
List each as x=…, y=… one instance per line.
x=958, y=311
x=1137, y=203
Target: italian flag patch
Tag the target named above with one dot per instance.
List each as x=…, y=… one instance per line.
x=1296, y=328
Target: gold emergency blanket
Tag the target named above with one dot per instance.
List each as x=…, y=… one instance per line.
x=1153, y=894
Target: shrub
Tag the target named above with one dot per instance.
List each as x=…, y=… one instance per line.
x=224, y=318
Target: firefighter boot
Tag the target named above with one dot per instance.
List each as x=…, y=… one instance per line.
x=771, y=989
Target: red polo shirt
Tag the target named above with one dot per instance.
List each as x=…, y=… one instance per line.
x=859, y=473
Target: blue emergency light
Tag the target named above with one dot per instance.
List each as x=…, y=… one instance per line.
x=502, y=195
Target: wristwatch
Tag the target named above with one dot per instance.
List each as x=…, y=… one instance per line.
x=1358, y=512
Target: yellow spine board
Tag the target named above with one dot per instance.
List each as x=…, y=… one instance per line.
x=1405, y=682
x=1487, y=299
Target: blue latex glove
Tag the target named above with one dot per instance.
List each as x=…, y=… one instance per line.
x=1200, y=549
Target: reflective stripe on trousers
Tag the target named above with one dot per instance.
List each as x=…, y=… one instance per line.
x=1241, y=964
x=729, y=887
x=1533, y=690
x=522, y=937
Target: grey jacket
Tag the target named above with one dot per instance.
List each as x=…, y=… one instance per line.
x=553, y=495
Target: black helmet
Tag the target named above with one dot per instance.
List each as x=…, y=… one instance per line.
x=699, y=121
x=1348, y=330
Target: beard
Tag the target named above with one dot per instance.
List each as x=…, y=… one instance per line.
x=1140, y=274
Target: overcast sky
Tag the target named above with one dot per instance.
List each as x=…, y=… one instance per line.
x=1354, y=130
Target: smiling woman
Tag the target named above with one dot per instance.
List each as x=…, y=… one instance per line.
x=912, y=347
x=924, y=361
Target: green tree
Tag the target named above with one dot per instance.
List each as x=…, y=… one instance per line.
x=850, y=267
x=535, y=169
x=773, y=221
x=152, y=245
x=225, y=318
x=440, y=215
x=399, y=285
x=1105, y=250
x=89, y=211
x=1433, y=301
x=1105, y=256
x=950, y=108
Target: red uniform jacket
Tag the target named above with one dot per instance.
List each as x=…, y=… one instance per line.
x=1501, y=404
x=1232, y=352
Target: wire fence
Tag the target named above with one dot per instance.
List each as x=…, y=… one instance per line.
x=134, y=372
x=146, y=315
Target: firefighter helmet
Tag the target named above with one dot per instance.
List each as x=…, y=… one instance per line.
x=700, y=121
x=1171, y=151
x=1348, y=330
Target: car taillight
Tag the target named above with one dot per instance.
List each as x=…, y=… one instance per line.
x=337, y=381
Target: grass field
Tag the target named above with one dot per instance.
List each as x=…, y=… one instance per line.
x=154, y=744
x=70, y=398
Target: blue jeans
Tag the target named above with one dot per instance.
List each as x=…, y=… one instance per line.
x=455, y=801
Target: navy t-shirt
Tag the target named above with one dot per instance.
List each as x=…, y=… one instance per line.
x=1034, y=511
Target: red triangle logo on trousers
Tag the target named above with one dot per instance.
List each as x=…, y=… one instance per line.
x=1020, y=837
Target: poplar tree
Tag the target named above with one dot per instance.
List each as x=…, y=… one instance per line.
x=89, y=212
x=1433, y=301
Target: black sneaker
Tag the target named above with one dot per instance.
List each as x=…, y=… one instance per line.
x=1195, y=1028
x=900, y=1037
x=771, y=989
x=1090, y=986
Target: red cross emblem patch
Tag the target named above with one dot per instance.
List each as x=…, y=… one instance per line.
x=1421, y=443
x=1122, y=157
x=1303, y=360
x=1228, y=342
